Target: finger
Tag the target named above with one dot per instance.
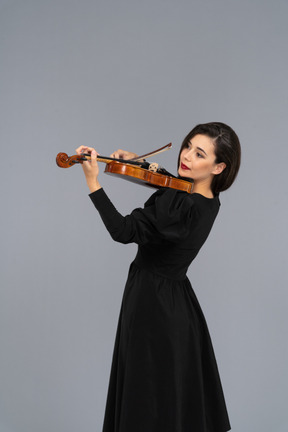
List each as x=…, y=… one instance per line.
x=90, y=149
x=120, y=154
x=115, y=155
x=81, y=149
x=85, y=149
x=93, y=156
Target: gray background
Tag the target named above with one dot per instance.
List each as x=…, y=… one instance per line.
x=136, y=75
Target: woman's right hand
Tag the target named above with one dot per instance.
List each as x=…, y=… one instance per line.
x=123, y=154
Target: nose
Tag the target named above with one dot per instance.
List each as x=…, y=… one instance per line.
x=187, y=155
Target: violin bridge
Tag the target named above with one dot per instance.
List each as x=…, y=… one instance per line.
x=153, y=167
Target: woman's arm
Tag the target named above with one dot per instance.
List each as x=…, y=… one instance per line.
x=90, y=168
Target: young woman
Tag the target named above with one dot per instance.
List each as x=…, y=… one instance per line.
x=164, y=375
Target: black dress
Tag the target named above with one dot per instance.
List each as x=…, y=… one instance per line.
x=164, y=376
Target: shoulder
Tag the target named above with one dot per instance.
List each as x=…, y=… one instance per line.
x=189, y=204
x=168, y=202
x=177, y=196
x=208, y=207
x=169, y=196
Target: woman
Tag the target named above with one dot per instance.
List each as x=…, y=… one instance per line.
x=164, y=375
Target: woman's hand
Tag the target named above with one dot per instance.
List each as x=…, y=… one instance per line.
x=90, y=168
x=123, y=154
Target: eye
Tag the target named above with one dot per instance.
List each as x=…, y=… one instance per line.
x=199, y=155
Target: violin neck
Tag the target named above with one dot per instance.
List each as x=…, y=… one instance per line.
x=106, y=159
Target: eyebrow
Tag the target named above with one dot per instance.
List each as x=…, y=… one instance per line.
x=199, y=148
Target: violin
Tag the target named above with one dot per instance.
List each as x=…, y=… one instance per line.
x=144, y=173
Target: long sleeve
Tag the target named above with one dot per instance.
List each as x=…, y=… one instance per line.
x=167, y=215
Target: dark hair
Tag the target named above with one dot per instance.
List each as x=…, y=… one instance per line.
x=227, y=150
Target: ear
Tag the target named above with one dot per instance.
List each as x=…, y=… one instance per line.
x=219, y=168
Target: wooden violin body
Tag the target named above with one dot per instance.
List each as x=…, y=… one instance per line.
x=149, y=178
x=138, y=172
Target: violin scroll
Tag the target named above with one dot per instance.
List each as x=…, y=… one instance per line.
x=65, y=161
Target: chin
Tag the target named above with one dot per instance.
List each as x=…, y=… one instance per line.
x=184, y=173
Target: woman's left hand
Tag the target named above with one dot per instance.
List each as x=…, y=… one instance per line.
x=90, y=168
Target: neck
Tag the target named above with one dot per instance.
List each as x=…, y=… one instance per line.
x=203, y=189
x=206, y=194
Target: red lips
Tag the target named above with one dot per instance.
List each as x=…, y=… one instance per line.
x=184, y=167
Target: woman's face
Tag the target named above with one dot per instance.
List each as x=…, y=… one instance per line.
x=197, y=161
